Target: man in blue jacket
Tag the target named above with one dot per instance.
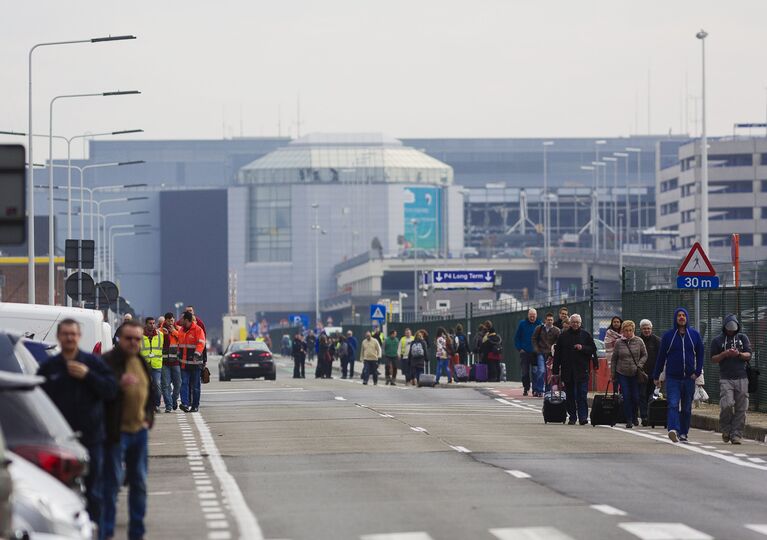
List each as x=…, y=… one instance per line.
x=681, y=353
x=523, y=341
x=79, y=384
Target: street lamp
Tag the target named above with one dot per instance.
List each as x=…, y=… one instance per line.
x=316, y=228
x=625, y=156
x=30, y=162
x=703, y=149
x=106, y=256
x=100, y=232
x=402, y=296
x=51, y=231
x=613, y=197
x=546, y=219
x=638, y=152
x=414, y=223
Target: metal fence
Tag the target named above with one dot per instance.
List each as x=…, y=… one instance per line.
x=752, y=274
x=749, y=304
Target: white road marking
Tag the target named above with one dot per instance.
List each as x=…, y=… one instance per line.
x=740, y=455
x=516, y=403
x=609, y=510
x=246, y=522
x=724, y=451
x=461, y=449
x=219, y=535
x=253, y=391
x=159, y=493
x=385, y=415
x=708, y=447
x=219, y=524
x=663, y=531
x=419, y=429
x=696, y=443
x=339, y=398
x=530, y=533
x=518, y=474
x=215, y=516
x=397, y=536
x=208, y=503
x=761, y=529
x=202, y=495
x=756, y=460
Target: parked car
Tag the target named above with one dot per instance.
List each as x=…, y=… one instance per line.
x=6, y=489
x=35, y=429
x=43, y=507
x=247, y=359
x=15, y=356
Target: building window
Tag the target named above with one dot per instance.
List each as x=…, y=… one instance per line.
x=688, y=216
x=668, y=185
x=730, y=186
x=688, y=163
x=688, y=189
x=670, y=208
x=764, y=159
x=764, y=185
x=764, y=212
x=724, y=240
x=731, y=160
x=269, y=232
x=727, y=214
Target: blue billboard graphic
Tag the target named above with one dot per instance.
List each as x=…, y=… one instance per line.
x=423, y=204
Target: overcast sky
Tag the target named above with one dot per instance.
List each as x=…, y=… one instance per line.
x=409, y=68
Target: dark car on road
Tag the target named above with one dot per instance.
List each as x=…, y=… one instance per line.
x=247, y=360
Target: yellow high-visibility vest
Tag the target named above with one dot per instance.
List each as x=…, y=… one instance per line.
x=151, y=350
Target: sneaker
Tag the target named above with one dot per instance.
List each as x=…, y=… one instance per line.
x=195, y=409
x=168, y=409
x=184, y=408
x=524, y=393
x=644, y=422
x=571, y=422
x=725, y=437
x=364, y=382
x=629, y=426
x=175, y=406
x=673, y=436
x=736, y=440
x=683, y=438
x=583, y=422
x=393, y=383
x=636, y=423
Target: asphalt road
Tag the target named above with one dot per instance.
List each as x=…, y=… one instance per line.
x=333, y=459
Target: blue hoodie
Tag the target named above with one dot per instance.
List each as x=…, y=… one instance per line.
x=681, y=354
x=523, y=339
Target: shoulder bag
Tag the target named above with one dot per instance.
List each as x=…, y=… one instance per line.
x=641, y=376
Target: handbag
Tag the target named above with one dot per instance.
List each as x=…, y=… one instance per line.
x=641, y=375
x=205, y=375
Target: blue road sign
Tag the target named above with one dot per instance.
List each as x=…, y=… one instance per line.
x=464, y=276
x=377, y=312
x=299, y=320
x=697, y=282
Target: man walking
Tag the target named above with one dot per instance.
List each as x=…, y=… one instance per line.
x=128, y=419
x=371, y=352
x=171, y=369
x=79, y=384
x=652, y=344
x=681, y=353
x=544, y=337
x=403, y=352
x=564, y=317
x=391, y=346
x=191, y=344
x=351, y=341
x=523, y=341
x=299, y=356
x=574, y=352
x=732, y=351
x=151, y=350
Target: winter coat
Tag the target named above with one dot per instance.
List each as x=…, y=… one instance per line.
x=570, y=362
x=626, y=353
x=652, y=344
x=491, y=343
x=731, y=368
x=81, y=401
x=391, y=345
x=681, y=354
x=544, y=338
x=371, y=349
x=611, y=338
x=298, y=349
x=351, y=341
x=113, y=409
x=523, y=339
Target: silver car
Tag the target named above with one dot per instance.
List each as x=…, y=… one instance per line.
x=5, y=492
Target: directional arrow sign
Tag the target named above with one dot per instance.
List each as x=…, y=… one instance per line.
x=458, y=279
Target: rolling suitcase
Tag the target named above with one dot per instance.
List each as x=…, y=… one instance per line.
x=427, y=379
x=657, y=412
x=460, y=373
x=480, y=372
x=605, y=409
x=554, y=407
x=503, y=371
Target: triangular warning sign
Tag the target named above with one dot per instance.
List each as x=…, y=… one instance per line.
x=696, y=263
x=377, y=314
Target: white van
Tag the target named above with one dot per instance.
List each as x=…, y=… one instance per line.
x=38, y=322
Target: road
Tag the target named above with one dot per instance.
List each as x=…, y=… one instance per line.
x=333, y=459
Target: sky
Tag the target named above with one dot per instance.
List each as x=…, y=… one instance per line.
x=408, y=68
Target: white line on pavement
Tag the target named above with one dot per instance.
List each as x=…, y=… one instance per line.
x=397, y=536
x=246, y=522
x=339, y=398
x=609, y=510
x=419, y=429
x=219, y=535
x=663, y=531
x=756, y=460
x=761, y=529
x=529, y=533
x=159, y=493
x=461, y=449
x=708, y=447
x=514, y=404
x=518, y=474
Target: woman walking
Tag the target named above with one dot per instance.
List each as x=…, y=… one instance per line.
x=613, y=335
x=628, y=360
x=418, y=356
x=442, y=355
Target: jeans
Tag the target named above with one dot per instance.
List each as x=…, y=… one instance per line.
x=443, y=367
x=171, y=386
x=630, y=391
x=131, y=452
x=94, y=485
x=645, y=391
x=406, y=371
x=733, y=403
x=351, y=367
x=679, y=392
x=371, y=368
x=526, y=361
x=494, y=371
x=576, y=399
x=415, y=372
x=157, y=381
x=391, y=368
x=190, y=384
x=344, y=367
x=299, y=366
x=539, y=373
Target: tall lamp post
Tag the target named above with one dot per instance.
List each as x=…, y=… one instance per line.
x=547, y=219
x=316, y=229
x=613, y=198
x=30, y=158
x=638, y=152
x=703, y=148
x=625, y=156
x=414, y=223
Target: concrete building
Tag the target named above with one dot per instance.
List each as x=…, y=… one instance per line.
x=737, y=197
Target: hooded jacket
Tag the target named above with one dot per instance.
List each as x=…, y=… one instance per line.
x=731, y=368
x=681, y=354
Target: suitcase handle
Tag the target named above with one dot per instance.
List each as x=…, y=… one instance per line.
x=608, y=388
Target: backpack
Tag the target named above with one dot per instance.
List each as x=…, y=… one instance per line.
x=460, y=344
x=496, y=350
x=450, y=345
x=343, y=350
x=416, y=350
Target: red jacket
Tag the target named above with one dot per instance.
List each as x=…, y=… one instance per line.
x=191, y=343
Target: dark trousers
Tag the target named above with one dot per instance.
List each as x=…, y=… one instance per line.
x=371, y=368
x=94, y=484
x=405, y=366
x=351, y=367
x=190, y=386
x=577, y=398
x=344, y=367
x=391, y=368
x=645, y=393
x=630, y=391
x=327, y=369
x=526, y=361
x=132, y=450
x=299, y=365
x=494, y=372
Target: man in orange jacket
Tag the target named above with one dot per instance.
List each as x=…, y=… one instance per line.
x=191, y=344
x=171, y=368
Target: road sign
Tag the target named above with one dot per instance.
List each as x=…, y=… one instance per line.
x=696, y=263
x=299, y=320
x=79, y=253
x=377, y=312
x=697, y=282
x=13, y=194
x=88, y=287
x=456, y=279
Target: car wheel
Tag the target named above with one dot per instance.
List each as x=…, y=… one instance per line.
x=272, y=377
x=222, y=375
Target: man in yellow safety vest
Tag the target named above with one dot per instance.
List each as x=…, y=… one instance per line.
x=151, y=350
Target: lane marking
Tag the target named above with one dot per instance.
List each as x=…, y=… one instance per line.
x=219, y=535
x=708, y=447
x=246, y=522
x=724, y=451
x=461, y=449
x=758, y=528
x=696, y=443
x=530, y=533
x=517, y=404
x=740, y=455
x=419, y=429
x=518, y=474
x=159, y=493
x=609, y=510
x=663, y=531
x=397, y=536
x=339, y=398
x=756, y=460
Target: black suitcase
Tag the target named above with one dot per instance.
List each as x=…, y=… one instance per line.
x=657, y=412
x=606, y=409
x=554, y=408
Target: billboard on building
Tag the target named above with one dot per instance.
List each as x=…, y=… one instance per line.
x=423, y=217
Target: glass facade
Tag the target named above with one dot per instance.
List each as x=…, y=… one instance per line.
x=269, y=226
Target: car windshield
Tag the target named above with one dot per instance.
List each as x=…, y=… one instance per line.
x=29, y=415
x=248, y=346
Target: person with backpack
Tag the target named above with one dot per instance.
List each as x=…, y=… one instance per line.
x=391, y=345
x=492, y=353
x=417, y=356
x=462, y=345
x=343, y=354
x=732, y=351
x=442, y=354
x=404, y=352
